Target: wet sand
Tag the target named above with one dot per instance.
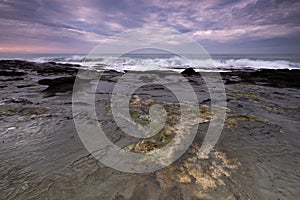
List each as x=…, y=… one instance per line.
x=42, y=157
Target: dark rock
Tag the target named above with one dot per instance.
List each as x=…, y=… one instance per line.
x=20, y=101
x=52, y=63
x=12, y=79
x=24, y=86
x=49, y=94
x=189, y=72
x=57, y=81
x=50, y=68
x=12, y=73
x=62, y=84
x=268, y=77
x=15, y=65
x=40, y=68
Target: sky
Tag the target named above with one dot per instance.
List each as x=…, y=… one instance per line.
x=220, y=26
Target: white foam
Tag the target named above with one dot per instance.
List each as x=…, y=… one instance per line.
x=200, y=64
x=256, y=64
x=72, y=58
x=168, y=63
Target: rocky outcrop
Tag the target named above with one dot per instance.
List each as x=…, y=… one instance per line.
x=189, y=72
x=268, y=77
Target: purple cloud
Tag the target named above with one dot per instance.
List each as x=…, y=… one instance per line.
x=77, y=26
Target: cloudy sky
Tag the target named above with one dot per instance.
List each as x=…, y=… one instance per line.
x=221, y=26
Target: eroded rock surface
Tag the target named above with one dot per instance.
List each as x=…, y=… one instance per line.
x=42, y=157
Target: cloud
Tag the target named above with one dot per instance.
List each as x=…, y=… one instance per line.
x=86, y=23
x=256, y=32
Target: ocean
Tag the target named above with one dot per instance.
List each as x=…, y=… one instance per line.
x=143, y=62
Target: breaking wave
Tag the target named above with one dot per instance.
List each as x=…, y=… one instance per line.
x=169, y=62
